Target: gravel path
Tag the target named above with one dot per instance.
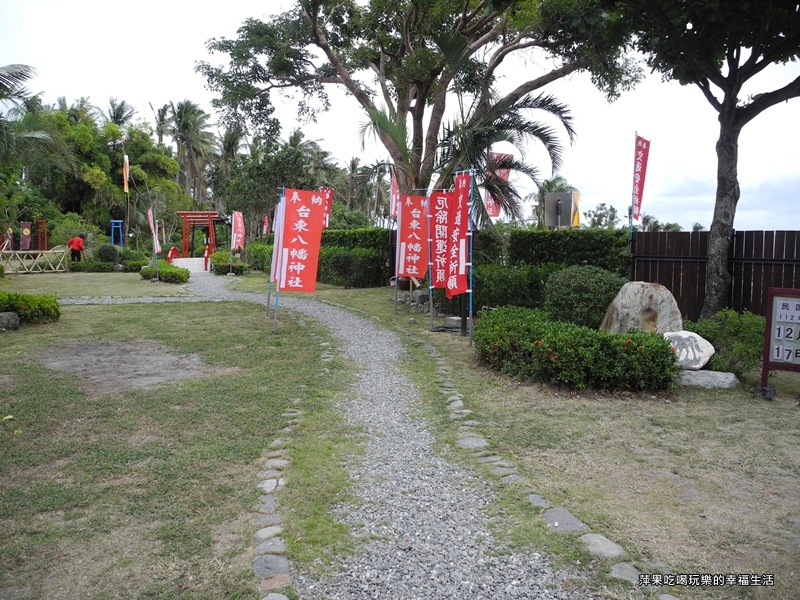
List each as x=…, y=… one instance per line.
x=421, y=517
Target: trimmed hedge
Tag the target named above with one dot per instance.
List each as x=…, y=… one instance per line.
x=91, y=266
x=372, y=245
x=371, y=267
x=581, y=294
x=31, y=308
x=166, y=273
x=527, y=345
x=134, y=266
x=605, y=248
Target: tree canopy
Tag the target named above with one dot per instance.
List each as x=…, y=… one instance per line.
x=720, y=46
x=400, y=59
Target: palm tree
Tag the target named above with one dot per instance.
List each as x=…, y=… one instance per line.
x=162, y=121
x=26, y=136
x=698, y=226
x=555, y=184
x=467, y=143
x=189, y=129
x=119, y=113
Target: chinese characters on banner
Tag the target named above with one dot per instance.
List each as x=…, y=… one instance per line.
x=492, y=207
x=237, y=231
x=300, y=239
x=412, y=237
x=440, y=205
x=639, y=171
x=153, y=230
x=394, y=195
x=265, y=226
x=327, y=196
x=458, y=236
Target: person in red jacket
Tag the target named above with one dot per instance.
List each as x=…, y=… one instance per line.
x=76, y=246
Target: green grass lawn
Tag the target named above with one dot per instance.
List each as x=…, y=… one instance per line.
x=69, y=285
x=152, y=492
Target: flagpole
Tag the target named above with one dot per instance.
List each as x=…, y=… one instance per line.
x=471, y=247
x=430, y=258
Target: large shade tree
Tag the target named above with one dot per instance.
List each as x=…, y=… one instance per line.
x=396, y=59
x=719, y=46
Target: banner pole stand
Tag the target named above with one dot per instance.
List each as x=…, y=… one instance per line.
x=277, y=302
x=269, y=295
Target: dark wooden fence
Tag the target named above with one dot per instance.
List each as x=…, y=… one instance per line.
x=758, y=260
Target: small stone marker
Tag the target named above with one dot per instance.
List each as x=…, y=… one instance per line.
x=560, y=519
x=471, y=443
x=270, y=565
x=710, y=380
x=538, y=501
x=626, y=571
x=598, y=545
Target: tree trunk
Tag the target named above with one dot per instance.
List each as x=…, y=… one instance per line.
x=718, y=279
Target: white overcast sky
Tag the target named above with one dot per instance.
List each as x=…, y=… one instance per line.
x=145, y=52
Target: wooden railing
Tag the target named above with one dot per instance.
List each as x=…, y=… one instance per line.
x=34, y=261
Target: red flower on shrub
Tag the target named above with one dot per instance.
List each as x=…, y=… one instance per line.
x=555, y=356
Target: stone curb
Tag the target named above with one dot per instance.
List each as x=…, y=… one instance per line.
x=557, y=518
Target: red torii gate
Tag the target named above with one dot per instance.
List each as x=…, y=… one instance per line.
x=202, y=218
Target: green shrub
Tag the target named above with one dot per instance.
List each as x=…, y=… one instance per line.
x=166, y=273
x=738, y=340
x=581, y=294
x=129, y=254
x=528, y=345
x=91, y=266
x=222, y=263
x=134, y=266
x=259, y=256
x=2, y=272
x=107, y=253
x=373, y=246
x=371, y=269
x=31, y=308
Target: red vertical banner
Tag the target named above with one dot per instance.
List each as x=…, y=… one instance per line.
x=639, y=172
x=440, y=205
x=394, y=194
x=302, y=233
x=153, y=230
x=327, y=196
x=412, y=237
x=495, y=158
x=237, y=231
x=458, y=237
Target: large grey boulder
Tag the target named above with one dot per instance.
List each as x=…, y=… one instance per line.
x=9, y=321
x=693, y=351
x=642, y=306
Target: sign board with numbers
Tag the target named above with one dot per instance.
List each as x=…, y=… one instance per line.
x=782, y=338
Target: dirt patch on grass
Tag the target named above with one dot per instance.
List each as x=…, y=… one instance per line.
x=113, y=367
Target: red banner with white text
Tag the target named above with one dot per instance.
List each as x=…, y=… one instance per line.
x=639, y=172
x=440, y=205
x=237, y=231
x=300, y=240
x=458, y=238
x=412, y=237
